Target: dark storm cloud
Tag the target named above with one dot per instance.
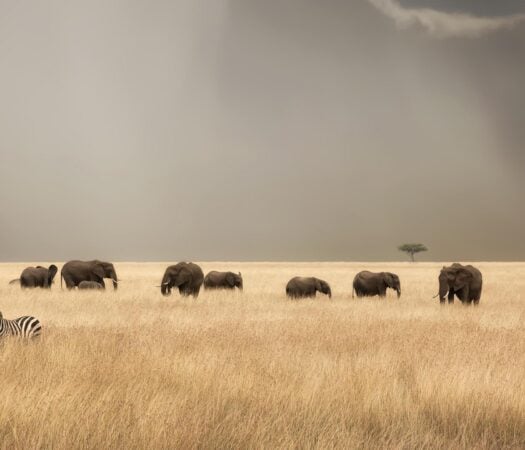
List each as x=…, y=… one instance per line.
x=442, y=22
x=474, y=7
x=243, y=129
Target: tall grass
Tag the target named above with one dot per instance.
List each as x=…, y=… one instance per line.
x=132, y=369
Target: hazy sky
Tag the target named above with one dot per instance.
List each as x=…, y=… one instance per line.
x=262, y=129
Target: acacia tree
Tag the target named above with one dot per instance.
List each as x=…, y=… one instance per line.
x=412, y=249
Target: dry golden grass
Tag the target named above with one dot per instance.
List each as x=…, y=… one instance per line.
x=135, y=370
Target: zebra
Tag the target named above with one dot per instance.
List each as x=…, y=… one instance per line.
x=25, y=327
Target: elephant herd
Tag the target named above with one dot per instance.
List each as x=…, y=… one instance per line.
x=186, y=277
x=463, y=282
x=81, y=274
x=366, y=284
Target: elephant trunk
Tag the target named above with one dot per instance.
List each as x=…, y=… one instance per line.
x=443, y=289
x=114, y=279
x=52, y=271
x=398, y=290
x=165, y=287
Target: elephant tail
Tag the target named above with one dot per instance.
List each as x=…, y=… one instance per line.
x=61, y=277
x=353, y=290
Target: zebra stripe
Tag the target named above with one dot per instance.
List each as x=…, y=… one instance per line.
x=25, y=327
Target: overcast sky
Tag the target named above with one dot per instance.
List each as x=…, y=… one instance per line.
x=262, y=129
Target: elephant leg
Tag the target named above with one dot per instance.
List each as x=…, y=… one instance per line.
x=70, y=284
x=465, y=295
x=183, y=292
x=451, y=296
x=102, y=283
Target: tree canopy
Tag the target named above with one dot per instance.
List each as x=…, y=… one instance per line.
x=412, y=249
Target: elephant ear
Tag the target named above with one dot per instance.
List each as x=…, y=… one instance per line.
x=184, y=276
x=462, y=278
x=98, y=270
x=52, y=270
x=230, y=279
x=388, y=279
x=325, y=288
x=451, y=275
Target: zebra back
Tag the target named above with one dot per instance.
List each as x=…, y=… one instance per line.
x=25, y=327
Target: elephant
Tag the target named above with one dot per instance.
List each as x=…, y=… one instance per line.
x=74, y=272
x=186, y=276
x=465, y=282
x=38, y=276
x=223, y=280
x=369, y=284
x=307, y=287
x=83, y=285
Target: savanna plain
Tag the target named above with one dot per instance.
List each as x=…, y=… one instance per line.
x=132, y=369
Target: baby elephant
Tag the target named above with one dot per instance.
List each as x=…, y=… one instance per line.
x=306, y=287
x=90, y=285
x=369, y=284
x=223, y=280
